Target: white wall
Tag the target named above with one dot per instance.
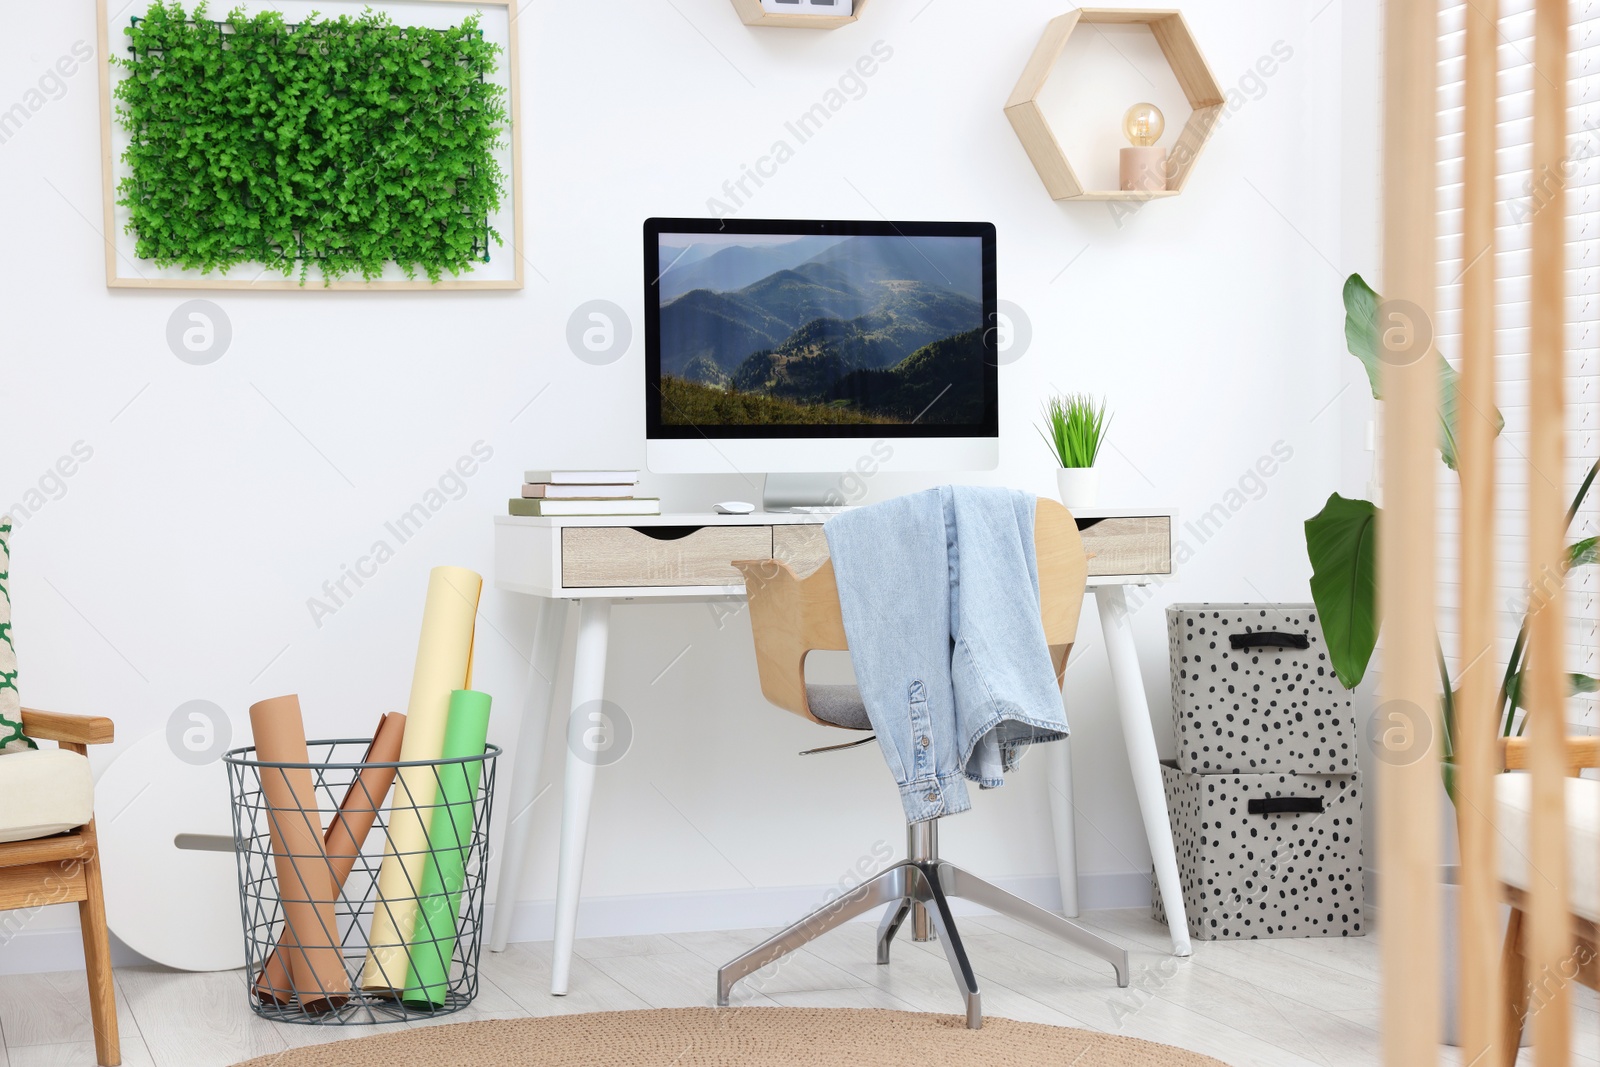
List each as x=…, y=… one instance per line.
x=1361, y=203
x=177, y=562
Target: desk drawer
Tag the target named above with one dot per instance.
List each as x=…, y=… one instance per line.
x=803, y=548
x=1131, y=545
x=594, y=557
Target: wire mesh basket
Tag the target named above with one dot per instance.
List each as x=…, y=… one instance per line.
x=314, y=952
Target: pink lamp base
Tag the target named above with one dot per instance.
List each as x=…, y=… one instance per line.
x=1143, y=169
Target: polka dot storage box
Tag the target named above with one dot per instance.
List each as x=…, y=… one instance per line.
x=1265, y=796
x=1266, y=855
x=1253, y=691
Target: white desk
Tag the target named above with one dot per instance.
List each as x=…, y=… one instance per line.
x=598, y=560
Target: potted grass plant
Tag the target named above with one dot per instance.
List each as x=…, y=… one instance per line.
x=1075, y=427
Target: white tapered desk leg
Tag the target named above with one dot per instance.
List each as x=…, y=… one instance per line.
x=1064, y=820
x=1143, y=760
x=588, y=689
x=524, y=789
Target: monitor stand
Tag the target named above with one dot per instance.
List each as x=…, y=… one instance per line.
x=803, y=493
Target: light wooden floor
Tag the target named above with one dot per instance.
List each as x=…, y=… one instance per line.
x=1250, y=1004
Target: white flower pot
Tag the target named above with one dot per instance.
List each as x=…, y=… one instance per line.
x=1450, y=944
x=1079, y=486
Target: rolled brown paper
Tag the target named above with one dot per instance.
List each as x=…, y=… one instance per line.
x=343, y=839
x=305, y=881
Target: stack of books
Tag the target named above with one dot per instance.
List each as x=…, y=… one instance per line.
x=582, y=493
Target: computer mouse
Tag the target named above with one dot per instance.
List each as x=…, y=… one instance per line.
x=733, y=507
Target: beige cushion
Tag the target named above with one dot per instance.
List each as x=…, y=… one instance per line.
x=42, y=792
x=1514, y=792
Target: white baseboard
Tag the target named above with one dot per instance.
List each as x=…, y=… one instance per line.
x=738, y=909
x=58, y=948
x=35, y=951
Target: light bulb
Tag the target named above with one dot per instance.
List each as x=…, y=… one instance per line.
x=1143, y=124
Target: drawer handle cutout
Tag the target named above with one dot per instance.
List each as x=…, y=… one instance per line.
x=1285, y=806
x=666, y=533
x=1269, y=639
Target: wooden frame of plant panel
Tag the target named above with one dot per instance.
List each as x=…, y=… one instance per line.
x=753, y=14
x=503, y=269
x=1182, y=54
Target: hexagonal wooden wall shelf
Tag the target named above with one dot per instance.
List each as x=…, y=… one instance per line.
x=1177, y=44
x=754, y=14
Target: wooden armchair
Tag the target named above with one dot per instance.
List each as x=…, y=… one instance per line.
x=1582, y=824
x=65, y=867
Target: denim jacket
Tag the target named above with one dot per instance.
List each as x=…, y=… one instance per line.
x=940, y=596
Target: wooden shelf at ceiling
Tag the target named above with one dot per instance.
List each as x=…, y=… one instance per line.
x=754, y=14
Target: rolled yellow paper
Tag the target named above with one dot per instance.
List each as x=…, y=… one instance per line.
x=444, y=664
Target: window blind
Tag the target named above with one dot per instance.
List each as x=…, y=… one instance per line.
x=1519, y=194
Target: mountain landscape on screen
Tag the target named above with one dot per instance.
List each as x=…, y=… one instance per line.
x=823, y=331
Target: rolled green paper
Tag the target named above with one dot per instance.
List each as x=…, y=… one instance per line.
x=433, y=939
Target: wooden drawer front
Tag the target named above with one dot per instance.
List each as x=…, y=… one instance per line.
x=618, y=556
x=803, y=548
x=1128, y=546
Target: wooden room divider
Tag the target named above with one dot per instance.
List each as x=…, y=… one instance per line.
x=1409, y=799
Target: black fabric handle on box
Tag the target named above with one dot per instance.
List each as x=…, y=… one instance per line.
x=1269, y=639
x=1285, y=806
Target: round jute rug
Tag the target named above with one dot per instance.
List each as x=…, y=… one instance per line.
x=740, y=1037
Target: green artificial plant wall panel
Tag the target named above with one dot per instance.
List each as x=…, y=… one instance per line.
x=342, y=144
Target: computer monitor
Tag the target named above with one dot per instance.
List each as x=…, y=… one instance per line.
x=784, y=347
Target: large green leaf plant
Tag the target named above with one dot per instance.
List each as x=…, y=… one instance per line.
x=1342, y=540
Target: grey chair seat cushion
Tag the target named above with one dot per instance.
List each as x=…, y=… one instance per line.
x=838, y=704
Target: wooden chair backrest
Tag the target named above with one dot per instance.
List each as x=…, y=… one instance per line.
x=793, y=616
x=1582, y=752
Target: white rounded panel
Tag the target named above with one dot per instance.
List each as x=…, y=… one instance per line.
x=179, y=907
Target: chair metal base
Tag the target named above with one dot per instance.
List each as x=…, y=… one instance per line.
x=924, y=883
